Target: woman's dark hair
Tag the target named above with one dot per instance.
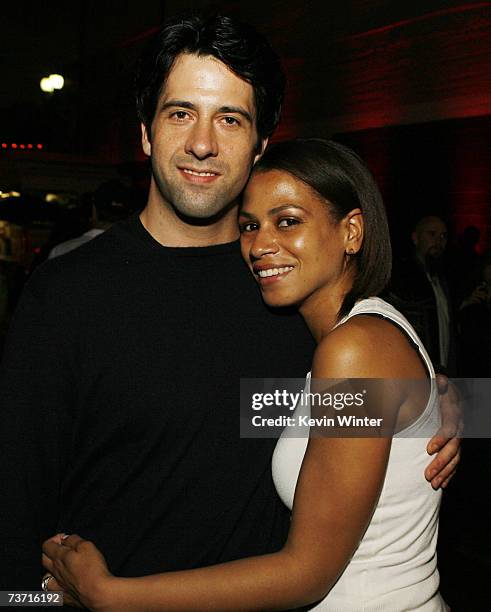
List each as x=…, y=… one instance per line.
x=341, y=178
x=246, y=52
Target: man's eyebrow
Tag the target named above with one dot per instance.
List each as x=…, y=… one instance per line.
x=244, y=213
x=181, y=103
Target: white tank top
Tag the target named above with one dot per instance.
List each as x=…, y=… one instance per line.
x=394, y=567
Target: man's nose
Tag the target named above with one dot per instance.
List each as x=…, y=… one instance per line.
x=441, y=240
x=201, y=141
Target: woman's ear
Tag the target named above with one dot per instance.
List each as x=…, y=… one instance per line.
x=354, y=231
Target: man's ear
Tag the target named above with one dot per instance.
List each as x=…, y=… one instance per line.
x=146, y=144
x=354, y=231
x=261, y=149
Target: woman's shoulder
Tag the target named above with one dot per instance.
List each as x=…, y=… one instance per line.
x=363, y=346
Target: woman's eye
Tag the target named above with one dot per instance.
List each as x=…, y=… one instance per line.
x=248, y=227
x=287, y=222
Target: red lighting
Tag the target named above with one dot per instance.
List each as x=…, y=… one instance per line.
x=14, y=145
x=36, y=250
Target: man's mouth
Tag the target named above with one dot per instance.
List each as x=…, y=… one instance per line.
x=196, y=173
x=198, y=177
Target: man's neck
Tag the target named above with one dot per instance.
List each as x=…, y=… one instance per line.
x=170, y=230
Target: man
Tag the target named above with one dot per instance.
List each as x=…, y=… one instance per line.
x=420, y=290
x=121, y=375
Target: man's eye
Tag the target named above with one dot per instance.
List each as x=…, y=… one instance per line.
x=248, y=227
x=287, y=222
x=180, y=115
x=230, y=121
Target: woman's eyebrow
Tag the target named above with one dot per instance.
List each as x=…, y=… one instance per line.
x=275, y=210
x=244, y=213
x=283, y=207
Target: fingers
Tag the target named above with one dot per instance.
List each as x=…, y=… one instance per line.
x=452, y=401
x=444, y=457
x=443, y=436
x=53, y=584
x=451, y=414
x=447, y=480
x=68, y=599
x=442, y=382
x=444, y=465
x=56, y=538
x=47, y=563
x=449, y=394
x=72, y=541
x=447, y=472
x=52, y=550
x=57, y=546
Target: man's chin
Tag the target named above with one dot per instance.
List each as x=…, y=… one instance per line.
x=203, y=213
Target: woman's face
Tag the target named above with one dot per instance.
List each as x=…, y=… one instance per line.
x=289, y=239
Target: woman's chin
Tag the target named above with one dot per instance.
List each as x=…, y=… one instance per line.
x=278, y=301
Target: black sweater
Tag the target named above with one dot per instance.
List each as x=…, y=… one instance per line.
x=119, y=395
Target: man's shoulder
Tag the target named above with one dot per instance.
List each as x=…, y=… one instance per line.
x=95, y=258
x=69, y=245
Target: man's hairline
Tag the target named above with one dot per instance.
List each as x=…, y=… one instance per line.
x=148, y=127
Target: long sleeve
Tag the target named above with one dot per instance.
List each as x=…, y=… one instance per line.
x=34, y=393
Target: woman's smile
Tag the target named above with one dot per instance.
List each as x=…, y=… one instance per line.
x=267, y=274
x=291, y=243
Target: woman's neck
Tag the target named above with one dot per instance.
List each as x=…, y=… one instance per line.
x=321, y=309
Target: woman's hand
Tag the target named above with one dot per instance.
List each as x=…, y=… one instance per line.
x=79, y=569
x=53, y=585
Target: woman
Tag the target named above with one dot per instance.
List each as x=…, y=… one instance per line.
x=364, y=523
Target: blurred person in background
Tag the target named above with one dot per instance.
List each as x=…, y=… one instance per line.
x=110, y=203
x=364, y=522
x=420, y=290
x=121, y=375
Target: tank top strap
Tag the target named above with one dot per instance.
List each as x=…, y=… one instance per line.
x=379, y=307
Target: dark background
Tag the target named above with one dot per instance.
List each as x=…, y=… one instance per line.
x=407, y=84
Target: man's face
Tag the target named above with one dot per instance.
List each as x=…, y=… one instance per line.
x=430, y=237
x=203, y=139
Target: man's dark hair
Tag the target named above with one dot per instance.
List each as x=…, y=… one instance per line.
x=340, y=177
x=246, y=52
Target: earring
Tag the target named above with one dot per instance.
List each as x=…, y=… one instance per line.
x=350, y=252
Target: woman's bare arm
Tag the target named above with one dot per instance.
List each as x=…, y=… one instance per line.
x=337, y=491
